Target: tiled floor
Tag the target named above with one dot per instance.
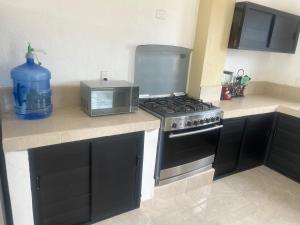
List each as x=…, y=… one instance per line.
x=256, y=197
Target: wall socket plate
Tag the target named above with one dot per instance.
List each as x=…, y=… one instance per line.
x=161, y=14
x=104, y=74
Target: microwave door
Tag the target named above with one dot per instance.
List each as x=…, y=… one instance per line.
x=102, y=101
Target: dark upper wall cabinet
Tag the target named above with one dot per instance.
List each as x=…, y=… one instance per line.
x=257, y=27
x=285, y=33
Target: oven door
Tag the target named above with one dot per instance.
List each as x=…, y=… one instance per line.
x=187, y=152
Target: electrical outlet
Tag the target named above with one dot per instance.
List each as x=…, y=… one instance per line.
x=161, y=14
x=297, y=81
x=104, y=74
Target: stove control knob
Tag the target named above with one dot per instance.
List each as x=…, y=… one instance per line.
x=201, y=122
x=174, y=125
x=207, y=120
x=189, y=123
x=217, y=118
x=212, y=119
x=196, y=123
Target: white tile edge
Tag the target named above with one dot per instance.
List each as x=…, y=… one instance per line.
x=18, y=176
x=149, y=159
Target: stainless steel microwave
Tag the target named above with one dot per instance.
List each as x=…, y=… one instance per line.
x=104, y=97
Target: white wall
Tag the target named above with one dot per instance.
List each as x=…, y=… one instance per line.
x=83, y=37
x=264, y=66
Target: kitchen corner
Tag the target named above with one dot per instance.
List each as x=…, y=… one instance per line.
x=150, y=112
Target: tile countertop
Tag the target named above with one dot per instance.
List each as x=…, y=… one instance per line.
x=67, y=125
x=258, y=104
x=71, y=124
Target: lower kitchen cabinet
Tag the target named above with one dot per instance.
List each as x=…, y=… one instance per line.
x=284, y=154
x=60, y=180
x=255, y=141
x=87, y=181
x=116, y=175
x=243, y=143
x=228, y=152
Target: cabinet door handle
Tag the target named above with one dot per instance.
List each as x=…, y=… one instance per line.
x=235, y=43
x=268, y=133
x=137, y=162
x=38, y=183
x=295, y=35
x=275, y=132
x=196, y=132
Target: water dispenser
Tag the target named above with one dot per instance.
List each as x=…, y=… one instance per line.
x=31, y=88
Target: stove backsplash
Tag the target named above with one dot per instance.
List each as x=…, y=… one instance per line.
x=161, y=70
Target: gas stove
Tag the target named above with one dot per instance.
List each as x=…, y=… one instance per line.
x=182, y=112
x=190, y=128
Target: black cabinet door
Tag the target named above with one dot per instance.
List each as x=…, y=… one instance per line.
x=285, y=33
x=255, y=142
x=60, y=178
x=284, y=155
x=236, y=27
x=256, y=27
x=116, y=174
x=227, y=155
x=256, y=30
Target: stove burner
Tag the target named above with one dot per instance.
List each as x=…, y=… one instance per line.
x=172, y=105
x=189, y=108
x=162, y=102
x=151, y=104
x=167, y=110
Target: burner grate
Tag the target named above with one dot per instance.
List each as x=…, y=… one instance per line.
x=178, y=104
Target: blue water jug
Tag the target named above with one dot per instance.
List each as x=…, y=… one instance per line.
x=31, y=89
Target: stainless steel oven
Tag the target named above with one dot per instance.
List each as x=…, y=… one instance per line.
x=187, y=152
x=189, y=127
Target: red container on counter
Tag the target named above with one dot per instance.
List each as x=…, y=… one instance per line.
x=226, y=93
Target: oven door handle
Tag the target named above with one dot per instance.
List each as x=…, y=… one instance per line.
x=195, y=132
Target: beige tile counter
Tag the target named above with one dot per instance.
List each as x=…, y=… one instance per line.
x=258, y=104
x=69, y=124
